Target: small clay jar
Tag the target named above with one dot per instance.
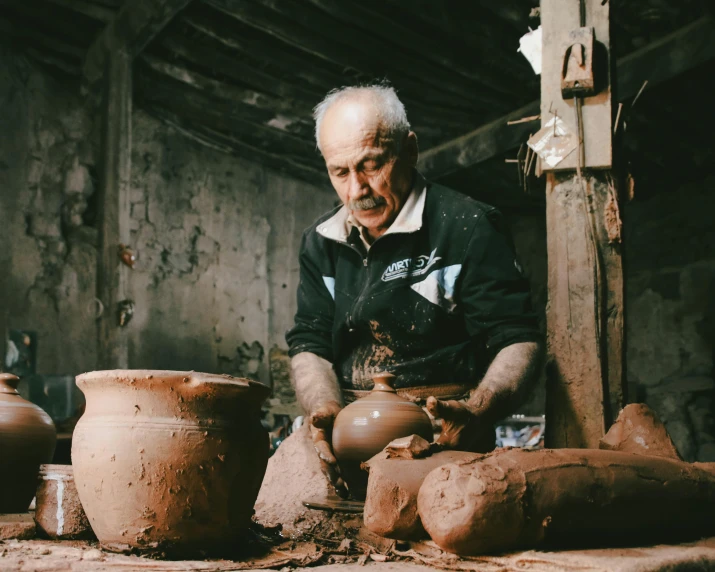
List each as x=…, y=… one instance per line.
x=58, y=511
x=366, y=426
x=27, y=440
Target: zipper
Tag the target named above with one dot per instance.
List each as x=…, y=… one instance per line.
x=365, y=261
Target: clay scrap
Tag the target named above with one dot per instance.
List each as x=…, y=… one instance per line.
x=639, y=430
x=393, y=484
x=412, y=447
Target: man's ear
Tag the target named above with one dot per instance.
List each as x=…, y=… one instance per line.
x=412, y=151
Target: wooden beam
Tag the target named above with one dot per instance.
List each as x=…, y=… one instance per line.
x=585, y=384
x=201, y=55
x=584, y=314
x=230, y=144
x=298, y=67
x=223, y=90
x=399, y=38
x=657, y=62
x=93, y=10
x=114, y=208
x=290, y=137
x=136, y=24
x=35, y=39
x=310, y=31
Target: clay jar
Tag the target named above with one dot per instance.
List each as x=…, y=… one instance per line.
x=27, y=440
x=366, y=426
x=169, y=460
x=58, y=512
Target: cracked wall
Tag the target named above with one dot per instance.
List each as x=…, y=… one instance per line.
x=216, y=237
x=670, y=317
x=47, y=244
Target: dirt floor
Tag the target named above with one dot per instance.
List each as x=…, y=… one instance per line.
x=76, y=556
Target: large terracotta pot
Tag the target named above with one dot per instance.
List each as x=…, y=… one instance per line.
x=27, y=440
x=169, y=460
x=366, y=426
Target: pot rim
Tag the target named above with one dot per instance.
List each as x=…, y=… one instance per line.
x=196, y=376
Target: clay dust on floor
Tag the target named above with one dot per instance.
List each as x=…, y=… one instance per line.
x=81, y=556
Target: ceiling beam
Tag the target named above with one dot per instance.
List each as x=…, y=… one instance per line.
x=134, y=26
x=95, y=11
x=249, y=124
x=228, y=143
x=298, y=67
x=657, y=62
x=203, y=56
x=393, y=36
x=310, y=31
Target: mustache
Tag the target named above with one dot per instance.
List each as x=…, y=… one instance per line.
x=366, y=203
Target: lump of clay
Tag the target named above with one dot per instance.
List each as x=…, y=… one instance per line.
x=393, y=484
x=639, y=430
x=565, y=498
x=412, y=447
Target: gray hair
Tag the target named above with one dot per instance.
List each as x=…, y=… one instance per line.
x=392, y=110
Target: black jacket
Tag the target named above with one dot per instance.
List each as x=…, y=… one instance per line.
x=432, y=305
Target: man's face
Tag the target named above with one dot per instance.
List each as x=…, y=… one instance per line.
x=371, y=176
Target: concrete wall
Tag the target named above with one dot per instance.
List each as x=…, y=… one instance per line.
x=47, y=253
x=216, y=237
x=217, y=241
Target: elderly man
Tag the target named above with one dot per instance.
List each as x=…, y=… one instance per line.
x=408, y=277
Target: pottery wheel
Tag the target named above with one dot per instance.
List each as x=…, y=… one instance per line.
x=334, y=502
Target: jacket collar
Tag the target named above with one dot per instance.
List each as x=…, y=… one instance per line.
x=409, y=219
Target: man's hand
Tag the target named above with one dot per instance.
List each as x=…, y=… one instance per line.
x=321, y=429
x=463, y=429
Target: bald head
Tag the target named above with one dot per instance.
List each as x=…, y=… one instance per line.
x=375, y=106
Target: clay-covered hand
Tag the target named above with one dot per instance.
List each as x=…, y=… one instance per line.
x=321, y=428
x=463, y=429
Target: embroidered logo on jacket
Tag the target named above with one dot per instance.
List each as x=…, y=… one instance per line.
x=410, y=266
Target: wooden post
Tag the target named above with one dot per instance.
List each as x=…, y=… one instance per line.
x=112, y=275
x=585, y=278
x=584, y=314
x=110, y=59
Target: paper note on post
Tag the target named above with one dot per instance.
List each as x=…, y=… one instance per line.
x=553, y=142
x=530, y=46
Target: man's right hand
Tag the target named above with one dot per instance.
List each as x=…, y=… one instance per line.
x=321, y=429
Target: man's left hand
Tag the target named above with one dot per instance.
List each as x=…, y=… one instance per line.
x=463, y=429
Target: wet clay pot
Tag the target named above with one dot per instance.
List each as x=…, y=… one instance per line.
x=27, y=440
x=169, y=460
x=366, y=426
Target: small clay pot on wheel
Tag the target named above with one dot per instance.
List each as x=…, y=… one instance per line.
x=366, y=426
x=27, y=440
